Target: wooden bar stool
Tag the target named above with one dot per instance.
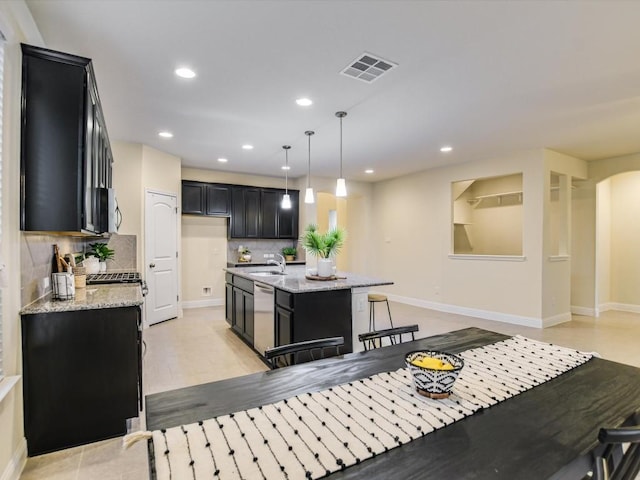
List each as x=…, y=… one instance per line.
x=373, y=299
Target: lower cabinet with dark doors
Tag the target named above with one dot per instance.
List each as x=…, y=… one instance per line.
x=82, y=376
x=313, y=315
x=239, y=306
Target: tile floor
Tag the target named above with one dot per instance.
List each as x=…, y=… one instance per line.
x=200, y=348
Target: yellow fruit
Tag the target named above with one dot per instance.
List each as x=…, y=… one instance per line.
x=432, y=363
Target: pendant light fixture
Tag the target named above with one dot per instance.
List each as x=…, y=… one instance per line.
x=308, y=196
x=341, y=186
x=286, y=199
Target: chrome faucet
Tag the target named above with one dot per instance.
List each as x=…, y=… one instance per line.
x=282, y=263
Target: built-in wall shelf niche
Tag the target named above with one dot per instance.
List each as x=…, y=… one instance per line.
x=487, y=216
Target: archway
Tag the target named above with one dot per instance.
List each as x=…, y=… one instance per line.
x=617, y=256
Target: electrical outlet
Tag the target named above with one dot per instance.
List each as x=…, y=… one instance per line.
x=206, y=291
x=266, y=255
x=45, y=283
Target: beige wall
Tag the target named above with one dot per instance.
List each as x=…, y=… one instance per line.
x=603, y=243
x=583, y=248
x=17, y=26
x=127, y=182
x=625, y=239
x=413, y=216
x=204, y=255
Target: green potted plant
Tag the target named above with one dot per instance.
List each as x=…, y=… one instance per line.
x=289, y=253
x=324, y=246
x=102, y=252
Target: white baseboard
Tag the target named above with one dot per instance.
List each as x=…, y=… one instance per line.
x=17, y=462
x=473, y=312
x=589, y=312
x=556, y=319
x=214, y=302
x=624, y=307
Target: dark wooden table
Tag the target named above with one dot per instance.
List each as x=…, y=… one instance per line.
x=546, y=432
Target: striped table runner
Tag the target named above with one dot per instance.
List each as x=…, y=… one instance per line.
x=314, y=434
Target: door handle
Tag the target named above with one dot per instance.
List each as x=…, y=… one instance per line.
x=152, y=265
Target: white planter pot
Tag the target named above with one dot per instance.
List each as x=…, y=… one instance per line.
x=103, y=267
x=91, y=264
x=325, y=267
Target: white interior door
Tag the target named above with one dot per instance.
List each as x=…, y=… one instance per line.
x=161, y=252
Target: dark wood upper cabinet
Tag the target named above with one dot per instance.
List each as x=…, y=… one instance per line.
x=269, y=210
x=193, y=197
x=254, y=212
x=200, y=198
x=245, y=212
x=65, y=151
x=218, y=200
x=260, y=214
x=288, y=219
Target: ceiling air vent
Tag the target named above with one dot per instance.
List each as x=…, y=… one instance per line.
x=368, y=67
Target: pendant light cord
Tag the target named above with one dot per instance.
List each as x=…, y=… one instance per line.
x=309, y=163
x=286, y=171
x=341, y=147
x=341, y=115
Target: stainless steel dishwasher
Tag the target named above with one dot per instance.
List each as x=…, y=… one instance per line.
x=263, y=316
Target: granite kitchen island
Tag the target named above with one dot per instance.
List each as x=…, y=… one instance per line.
x=268, y=310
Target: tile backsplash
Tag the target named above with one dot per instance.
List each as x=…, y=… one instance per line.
x=259, y=248
x=36, y=258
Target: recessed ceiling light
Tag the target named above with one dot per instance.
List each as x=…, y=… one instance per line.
x=165, y=134
x=446, y=148
x=223, y=160
x=286, y=167
x=185, y=72
x=368, y=170
x=304, y=102
x=247, y=147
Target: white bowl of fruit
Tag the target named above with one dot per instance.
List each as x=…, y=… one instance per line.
x=433, y=372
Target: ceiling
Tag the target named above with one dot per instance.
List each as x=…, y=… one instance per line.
x=485, y=77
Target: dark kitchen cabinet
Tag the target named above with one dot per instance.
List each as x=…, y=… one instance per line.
x=288, y=219
x=256, y=213
x=228, y=304
x=82, y=376
x=269, y=207
x=283, y=320
x=303, y=316
x=218, y=200
x=211, y=199
x=193, y=197
x=245, y=212
x=65, y=153
x=239, y=306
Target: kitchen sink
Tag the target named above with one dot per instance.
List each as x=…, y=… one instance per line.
x=270, y=273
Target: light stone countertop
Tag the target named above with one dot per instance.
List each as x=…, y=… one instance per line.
x=91, y=298
x=295, y=282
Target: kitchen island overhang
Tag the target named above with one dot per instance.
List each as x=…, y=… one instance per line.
x=304, y=309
